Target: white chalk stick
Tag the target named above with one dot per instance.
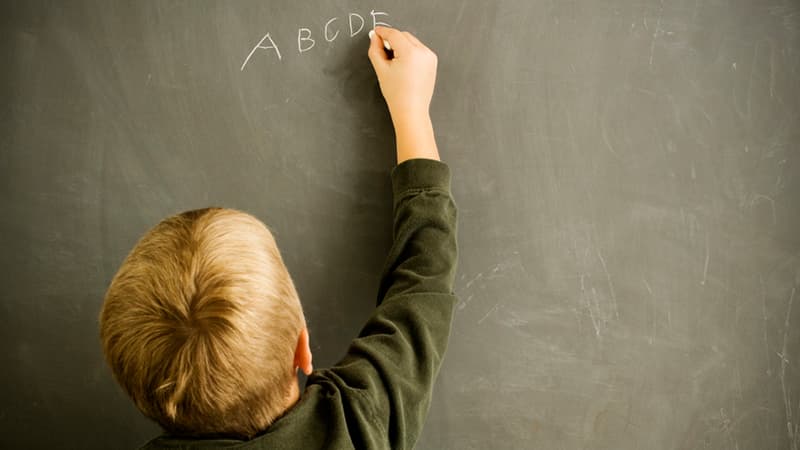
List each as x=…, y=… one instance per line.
x=386, y=44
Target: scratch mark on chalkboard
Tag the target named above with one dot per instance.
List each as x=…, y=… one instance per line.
x=739, y=378
x=610, y=283
x=460, y=14
x=748, y=102
x=708, y=363
x=727, y=427
x=707, y=116
x=757, y=197
x=571, y=133
x=693, y=226
x=750, y=80
x=589, y=307
x=771, y=70
x=597, y=303
x=708, y=257
x=578, y=320
x=796, y=431
x=604, y=134
x=496, y=272
x=647, y=92
x=653, y=303
x=669, y=315
x=463, y=304
x=676, y=111
x=796, y=437
x=781, y=165
x=474, y=279
x=656, y=32
x=764, y=315
x=784, y=363
x=491, y=310
x=513, y=320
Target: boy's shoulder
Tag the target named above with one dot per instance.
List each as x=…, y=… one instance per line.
x=320, y=419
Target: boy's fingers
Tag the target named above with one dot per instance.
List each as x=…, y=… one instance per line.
x=396, y=38
x=376, y=53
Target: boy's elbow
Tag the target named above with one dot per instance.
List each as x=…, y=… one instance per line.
x=438, y=281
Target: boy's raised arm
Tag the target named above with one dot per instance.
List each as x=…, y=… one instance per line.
x=388, y=373
x=423, y=253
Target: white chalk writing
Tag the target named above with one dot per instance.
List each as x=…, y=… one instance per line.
x=300, y=40
x=258, y=46
x=330, y=31
x=360, y=27
x=326, y=30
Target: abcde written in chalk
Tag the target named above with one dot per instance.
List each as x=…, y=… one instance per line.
x=306, y=40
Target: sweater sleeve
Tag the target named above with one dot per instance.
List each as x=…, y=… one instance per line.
x=424, y=252
x=389, y=370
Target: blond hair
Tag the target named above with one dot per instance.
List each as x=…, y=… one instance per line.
x=201, y=322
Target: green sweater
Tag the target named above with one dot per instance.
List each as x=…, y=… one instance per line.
x=379, y=394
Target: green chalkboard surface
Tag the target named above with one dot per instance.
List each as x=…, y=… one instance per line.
x=627, y=174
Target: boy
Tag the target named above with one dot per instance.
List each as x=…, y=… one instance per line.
x=202, y=326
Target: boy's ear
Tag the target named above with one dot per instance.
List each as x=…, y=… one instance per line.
x=302, y=353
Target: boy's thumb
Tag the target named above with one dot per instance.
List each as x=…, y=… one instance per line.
x=376, y=53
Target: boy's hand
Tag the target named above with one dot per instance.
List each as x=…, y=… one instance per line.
x=408, y=79
x=407, y=83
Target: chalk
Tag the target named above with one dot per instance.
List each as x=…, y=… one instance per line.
x=386, y=44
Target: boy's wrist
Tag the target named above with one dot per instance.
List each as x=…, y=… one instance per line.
x=415, y=138
x=404, y=120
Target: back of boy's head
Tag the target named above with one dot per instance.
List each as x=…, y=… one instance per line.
x=200, y=324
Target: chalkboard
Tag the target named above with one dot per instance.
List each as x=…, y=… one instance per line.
x=626, y=174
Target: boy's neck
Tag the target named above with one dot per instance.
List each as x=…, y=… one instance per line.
x=294, y=394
